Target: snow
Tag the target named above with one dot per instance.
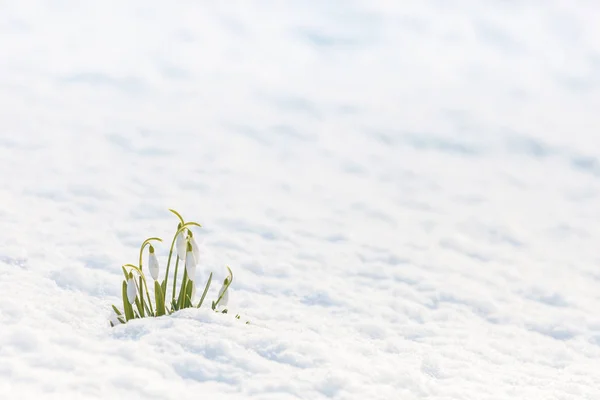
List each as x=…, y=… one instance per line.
x=406, y=192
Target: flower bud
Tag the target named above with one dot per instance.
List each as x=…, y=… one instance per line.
x=225, y=293
x=180, y=244
x=131, y=290
x=190, y=263
x=153, y=264
x=195, y=248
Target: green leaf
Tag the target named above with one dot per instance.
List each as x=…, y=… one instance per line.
x=205, y=290
x=138, y=305
x=141, y=297
x=126, y=305
x=188, y=294
x=182, y=289
x=148, y=311
x=160, y=303
x=163, y=288
x=120, y=316
x=175, y=277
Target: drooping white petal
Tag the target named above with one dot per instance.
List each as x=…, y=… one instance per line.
x=153, y=265
x=131, y=290
x=190, y=265
x=225, y=298
x=181, y=244
x=195, y=249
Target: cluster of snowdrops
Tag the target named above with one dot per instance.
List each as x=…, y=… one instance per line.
x=135, y=288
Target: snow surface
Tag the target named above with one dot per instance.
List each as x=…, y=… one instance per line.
x=408, y=193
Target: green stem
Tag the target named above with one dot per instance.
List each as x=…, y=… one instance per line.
x=146, y=242
x=178, y=215
x=141, y=297
x=175, y=278
x=164, y=284
x=205, y=290
x=182, y=290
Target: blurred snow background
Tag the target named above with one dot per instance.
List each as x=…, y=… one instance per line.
x=407, y=192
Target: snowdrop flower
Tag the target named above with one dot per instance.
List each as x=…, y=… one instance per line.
x=190, y=263
x=224, y=293
x=131, y=290
x=195, y=248
x=180, y=244
x=153, y=264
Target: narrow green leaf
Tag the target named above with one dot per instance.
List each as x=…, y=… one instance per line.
x=126, y=305
x=163, y=288
x=164, y=283
x=141, y=297
x=182, y=289
x=160, y=303
x=188, y=294
x=138, y=305
x=148, y=310
x=205, y=290
x=175, y=276
x=120, y=316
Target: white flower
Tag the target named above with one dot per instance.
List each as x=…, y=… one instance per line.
x=190, y=263
x=180, y=244
x=131, y=290
x=195, y=248
x=225, y=293
x=153, y=264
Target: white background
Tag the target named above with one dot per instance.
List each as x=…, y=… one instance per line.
x=407, y=193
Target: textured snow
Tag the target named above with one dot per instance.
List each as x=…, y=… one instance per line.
x=407, y=192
